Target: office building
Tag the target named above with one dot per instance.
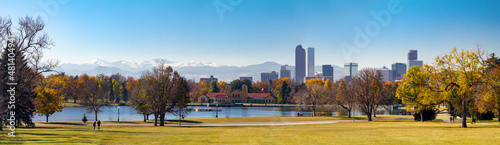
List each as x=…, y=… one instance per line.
x=209, y=80
x=300, y=64
x=412, y=55
x=327, y=70
x=350, y=70
x=265, y=77
x=399, y=70
x=284, y=72
x=413, y=59
x=247, y=78
x=310, y=61
x=418, y=63
x=387, y=74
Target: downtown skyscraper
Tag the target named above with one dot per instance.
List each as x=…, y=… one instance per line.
x=350, y=70
x=413, y=59
x=300, y=64
x=310, y=61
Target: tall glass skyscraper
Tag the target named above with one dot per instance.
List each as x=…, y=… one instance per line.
x=300, y=64
x=327, y=70
x=350, y=70
x=399, y=70
x=412, y=59
x=412, y=55
x=310, y=61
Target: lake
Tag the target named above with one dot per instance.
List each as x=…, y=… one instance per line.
x=110, y=113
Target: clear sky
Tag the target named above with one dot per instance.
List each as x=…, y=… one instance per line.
x=256, y=31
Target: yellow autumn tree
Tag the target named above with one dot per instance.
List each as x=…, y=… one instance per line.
x=222, y=86
x=417, y=90
x=260, y=87
x=315, y=94
x=462, y=72
x=49, y=96
x=490, y=91
x=345, y=96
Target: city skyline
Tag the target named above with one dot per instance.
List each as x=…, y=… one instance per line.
x=126, y=31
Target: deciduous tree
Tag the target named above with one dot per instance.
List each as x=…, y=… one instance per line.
x=345, y=97
x=94, y=96
x=418, y=91
x=48, y=101
x=462, y=71
x=163, y=91
x=368, y=90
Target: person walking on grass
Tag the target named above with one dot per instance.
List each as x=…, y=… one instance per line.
x=94, y=125
x=99, y=124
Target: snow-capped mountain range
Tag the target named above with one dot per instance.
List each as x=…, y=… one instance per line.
x=190, y=70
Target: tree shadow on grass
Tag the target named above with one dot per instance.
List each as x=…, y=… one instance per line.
x=43, y=127
x=190, y=126
x=172, y=121
x=65, y=123
x=130, y=122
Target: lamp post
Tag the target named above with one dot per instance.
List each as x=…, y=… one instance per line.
x=118, y=113
x=353, y=113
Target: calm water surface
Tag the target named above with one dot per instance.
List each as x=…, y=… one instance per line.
x=110, y=113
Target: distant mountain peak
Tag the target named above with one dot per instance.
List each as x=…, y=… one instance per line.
x=97, y=62
x=189, y=69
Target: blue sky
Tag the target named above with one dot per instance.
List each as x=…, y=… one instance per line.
x=256, y=31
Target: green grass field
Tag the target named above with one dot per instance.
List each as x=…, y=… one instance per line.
x=232, y=119
x=404, y=131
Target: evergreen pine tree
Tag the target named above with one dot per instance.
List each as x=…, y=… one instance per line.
x=24, y=90
x=125, y=94
x=284, y=93
x=117, y=100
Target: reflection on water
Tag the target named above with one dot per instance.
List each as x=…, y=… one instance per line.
x=110, y=113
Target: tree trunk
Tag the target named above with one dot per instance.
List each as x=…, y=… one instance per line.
x=374, y=112
x=46, y=118
x=162, y=119
x=95, y=112
x=421, y=115
x=147, y=116
x=497, y=120
x=156, y=119
x=74, y=100
x=144, y=115
x=369, y=115
x=349, y=113
x=464, y=114
x=1, y=124
x=180, y=116
x=314, y=110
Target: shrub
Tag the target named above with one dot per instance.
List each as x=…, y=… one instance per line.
x=117, y=100
x=429, y=114
x=486, y=116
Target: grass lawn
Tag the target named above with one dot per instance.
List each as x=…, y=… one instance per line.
x=376, y=132
x=232, y=120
